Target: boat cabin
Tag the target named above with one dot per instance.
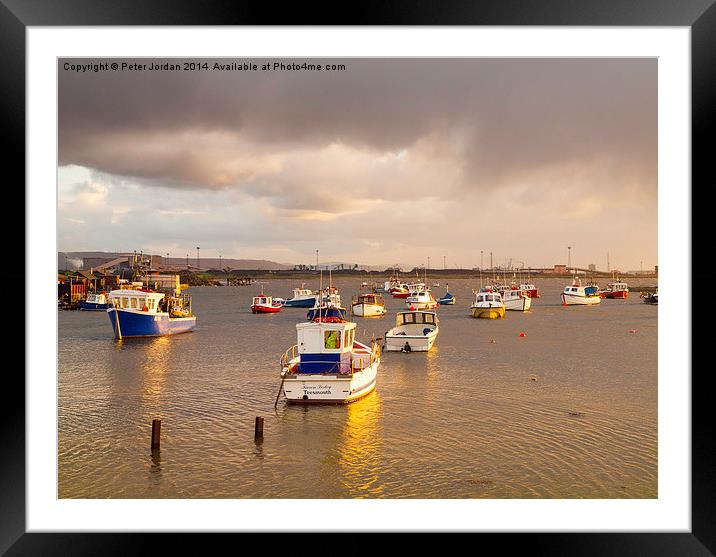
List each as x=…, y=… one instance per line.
x=417, y=318
x=375, y=299
x=488, y=298
x=262, y=301
x=138, y=300
x=325, y=347
x=618, y=286
x=96, y=298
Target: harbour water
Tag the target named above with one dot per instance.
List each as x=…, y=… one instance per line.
x=567, y=411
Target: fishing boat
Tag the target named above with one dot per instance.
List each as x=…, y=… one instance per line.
x=95, y=302
x=302, y=298
x=421, y=300
x=516, y=300
x=327, y=365
x=327, y=310
x=145, y=313
x=414, y=331
x=330, y=294
x=577, y=295
x=265, y=304
x=530, y=289
x=652, y=297
x=368, y=305
x=488, y=304
x=616, y=290
x=448, y=299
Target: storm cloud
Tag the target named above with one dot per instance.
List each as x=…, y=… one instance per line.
x=551, y=146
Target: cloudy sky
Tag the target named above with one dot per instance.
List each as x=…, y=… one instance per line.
x=390, y=161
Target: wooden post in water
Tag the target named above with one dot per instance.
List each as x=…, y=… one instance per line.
x=259, y=429
x=156, y=434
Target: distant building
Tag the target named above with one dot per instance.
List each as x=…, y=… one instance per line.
x=560, y=270
x=592, y=267
x=656, y=269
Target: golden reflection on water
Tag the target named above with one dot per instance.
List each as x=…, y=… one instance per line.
x=154, y=368
x=360, y=451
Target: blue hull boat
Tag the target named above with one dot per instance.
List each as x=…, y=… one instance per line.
x=133, y=323
x=330, y=312
x=89, y=306
x=305, y=303
x=447, y=300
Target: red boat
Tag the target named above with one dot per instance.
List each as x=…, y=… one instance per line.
x=531, y=290
x=265, y=304
x=616, y=290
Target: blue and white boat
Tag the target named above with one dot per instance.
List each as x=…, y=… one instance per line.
x=327, y=310
x=327, y=365
x=448, y=299
x=143, y=313
x=95, y=302
x=302, y=298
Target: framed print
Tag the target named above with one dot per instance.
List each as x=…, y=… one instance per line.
x=396, y=274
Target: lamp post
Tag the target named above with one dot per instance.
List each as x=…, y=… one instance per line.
x=481, y=260
x=197, y=257
x=316, y=260
x=569, y=257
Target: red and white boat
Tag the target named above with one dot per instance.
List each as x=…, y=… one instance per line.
x=530, y=289
x=265, y=304
x=616, y=290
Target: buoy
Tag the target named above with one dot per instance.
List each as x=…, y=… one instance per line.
x=632, y=330
x=492, y=340
x=412, y=308
x=522, y=335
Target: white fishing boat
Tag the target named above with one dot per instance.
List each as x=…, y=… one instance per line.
x=414, y=331
x=421, y=300
x=577, y=295
x=516, y=300
x=328, y=366
x=488, y=304
x=368, y=305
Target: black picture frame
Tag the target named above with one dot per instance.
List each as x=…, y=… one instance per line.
x=698, y=15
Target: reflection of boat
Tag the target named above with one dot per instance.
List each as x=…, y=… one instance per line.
x=516, y=300
x=488, y=305
x=265, y=304
x=302, y=298
x=448, y=299
x=143, y=313
x=95, y=302
x=368, y=305
x=421, y=300
x=414, y=331
x=576, y=294
x=328, y=365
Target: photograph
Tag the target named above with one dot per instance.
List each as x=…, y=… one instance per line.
x=357, y=278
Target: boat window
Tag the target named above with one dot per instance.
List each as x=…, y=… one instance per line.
x=125, y=302
x=409, y=318
x=332, y=339
x=429, y=318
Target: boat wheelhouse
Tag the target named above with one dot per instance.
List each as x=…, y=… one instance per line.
x=265, y=304
x=488, y=305
x=516, y=300
x=577, y=295
x=302, y=298
x=144, y=313
x=368, y=305
x=327, y=365
x=421, y=300
x=414, y=331
x=95, y=302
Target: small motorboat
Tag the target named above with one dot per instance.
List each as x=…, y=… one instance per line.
x=530, y=289
x=95, y=302
x=577, y=295
x=616, y=290
x=327, y=365
x=368, y=305
x=516, y=300
x=302, y=298
x=265, y=304
x=414, y=331
x=421, y=300
x=328, y=311
x=488, y=304
x=652, y=298
x=448, y=299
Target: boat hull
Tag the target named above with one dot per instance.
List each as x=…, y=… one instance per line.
x=134, y=323
x=572, y=300
x=265, y=309
x=519, y=304
x=300, y=303
x=368, y=310
x=619, y=295
x=330, y=389
x=397, y=343
x=488, y=312
x=422, y=305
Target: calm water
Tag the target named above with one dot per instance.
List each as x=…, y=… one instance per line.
x=569, y=411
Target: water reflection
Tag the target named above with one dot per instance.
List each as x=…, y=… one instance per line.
x=359, y=454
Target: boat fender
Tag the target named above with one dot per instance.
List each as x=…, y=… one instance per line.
x=145, y=308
